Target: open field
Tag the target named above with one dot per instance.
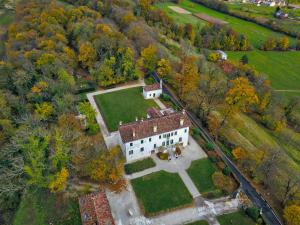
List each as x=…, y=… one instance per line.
x=201, y=172
x=282, y=68
x=139, y=165
x=179, y=18
x=179, y=10
x=210, y=19
x=161, y=191
x=237, y=218
x=124, y=105
x=39, y=207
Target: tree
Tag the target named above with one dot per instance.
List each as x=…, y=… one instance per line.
x=164, y=68
x=44, y=110
x=244, y=60
x=269, y=45
x=87, y=55
x=148, y=60
x=86, y=109
x=283, y=43
x=59, y=181
x=66, y=78
x=291, y=215
x=222, y=182
x=108, y=167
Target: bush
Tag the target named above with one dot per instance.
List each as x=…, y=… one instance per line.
x=178, y=151
x=209, y=146
x=253, y=212
x=165, y=97
x=226, y=171
x=213, y=159
x=163, y=156
x=93, y=129
x=213, y=57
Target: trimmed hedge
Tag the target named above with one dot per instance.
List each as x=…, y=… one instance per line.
x=139, y=166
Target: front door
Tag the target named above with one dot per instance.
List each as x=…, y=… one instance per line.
x=153, y=95
x=168, y=142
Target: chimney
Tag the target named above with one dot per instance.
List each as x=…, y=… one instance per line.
x=161, y=83
x=142, y=119
x=133, y=132
x=136, y=119
x=155, y=128
x=183, y=111
x=120, y=123
x=181, y=121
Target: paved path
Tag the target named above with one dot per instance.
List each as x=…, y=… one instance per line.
x=189, y=183
x=111, y=139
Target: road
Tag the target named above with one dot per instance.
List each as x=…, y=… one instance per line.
x=267, y=212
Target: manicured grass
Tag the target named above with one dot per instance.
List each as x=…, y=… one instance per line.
x=201, y=172
x=39, y=207
x=282, y=68
x=124, y=105
x=237, y=218
x=139, y=165
x=257, y=34
x=161, y=191
x=200, y=222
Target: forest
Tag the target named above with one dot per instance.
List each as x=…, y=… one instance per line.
x=54, y=52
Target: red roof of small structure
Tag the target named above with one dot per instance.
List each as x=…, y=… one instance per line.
x=95, y=209
x=152, y=87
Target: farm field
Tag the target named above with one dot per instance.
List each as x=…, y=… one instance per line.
x=124, y=105
x=280, y=67
x=161, y=191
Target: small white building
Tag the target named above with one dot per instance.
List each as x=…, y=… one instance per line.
x=142, y=138
x=153, y=90
x=223, y=55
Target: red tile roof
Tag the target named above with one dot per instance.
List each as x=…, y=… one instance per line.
x=154, y=112
x=142, y=129
x=95, y=209
x=152, y=87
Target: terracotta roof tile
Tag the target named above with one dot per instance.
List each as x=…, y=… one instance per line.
x=95, y=209
x=154, y=112
x=152, y=87
x=142, y=129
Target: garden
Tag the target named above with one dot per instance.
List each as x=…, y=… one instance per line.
x=124, y=105
x=161, y=192
x=139, y=166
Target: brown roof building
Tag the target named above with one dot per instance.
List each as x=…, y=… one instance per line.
x=95, y=209
x=152, y=87
x=158, y=123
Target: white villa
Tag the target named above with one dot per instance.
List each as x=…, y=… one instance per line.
x=162, y=128
x=153, y=90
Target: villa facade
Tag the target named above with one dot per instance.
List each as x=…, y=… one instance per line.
x=161, y=129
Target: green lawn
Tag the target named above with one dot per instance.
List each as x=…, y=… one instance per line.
x=124, y=105
x=40, y=207
x=282, y=68
x=237, y=218
x=6, y=17
x=201, y=172
x=139, y=165
x=161, y=191
x=200, y=222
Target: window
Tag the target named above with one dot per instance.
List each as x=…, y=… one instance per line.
x=130, y=152
x=154, y=145
x=131, y=144
x=150, y=95
x=168, y=135
x=164, y=143
x=172, y=134
x=171, y=141
x=180, y=139
x=159, y=136
x=185, y=130
x=142, y=141
x=175, y=132
x=150, y=139
x=164, y=135
x=142, y=149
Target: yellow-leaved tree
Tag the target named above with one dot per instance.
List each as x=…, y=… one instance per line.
x=292, y=215
x=60, y=180
x=87, y=55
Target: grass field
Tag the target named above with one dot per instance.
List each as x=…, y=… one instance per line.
x=200, y=222
x=39, y=207
x=139, y=165
x=161, y=191
x=237, y=218
x=282, y=68
x=201, y=172
x=124, y=105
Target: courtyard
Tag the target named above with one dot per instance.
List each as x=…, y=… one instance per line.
x=123, y=105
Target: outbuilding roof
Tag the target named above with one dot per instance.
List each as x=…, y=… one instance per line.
x=152, y=87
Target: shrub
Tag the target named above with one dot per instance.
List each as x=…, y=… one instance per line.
x=209, y=146
x=213, y=57
x=162, y=155
x=93, y=129
x=226, y=171
x=221, y=165
x=227, y=185
x=196, y=131
x=213, y=159
x=178, y=151
x=165, y=97
x=253, y=212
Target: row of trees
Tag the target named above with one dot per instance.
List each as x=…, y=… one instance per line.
x=281, y=44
